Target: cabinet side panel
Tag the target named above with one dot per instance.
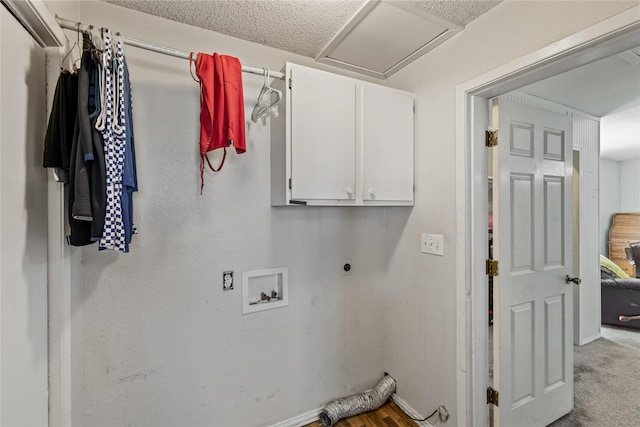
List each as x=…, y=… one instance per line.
x=279, y=161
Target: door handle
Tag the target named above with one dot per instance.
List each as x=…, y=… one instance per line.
x=575, y=280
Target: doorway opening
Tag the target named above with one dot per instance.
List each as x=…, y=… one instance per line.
x=605, y=39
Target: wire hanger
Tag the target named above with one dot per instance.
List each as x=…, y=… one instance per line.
x=105, y=36
x=96, y=40
x=267, y=101
x=75, y=44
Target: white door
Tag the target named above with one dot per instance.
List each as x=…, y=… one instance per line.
x=387, y=144
x=533, y=324
x=323, y=136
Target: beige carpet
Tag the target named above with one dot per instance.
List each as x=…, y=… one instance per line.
x=607, y=381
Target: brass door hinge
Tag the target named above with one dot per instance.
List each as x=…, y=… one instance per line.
x=493, y=396
x=492, y=267
x=491, y=138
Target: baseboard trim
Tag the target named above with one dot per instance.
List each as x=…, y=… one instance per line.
x=402, y=404
x=591, y=338
x=314, y=415
x=299, y=420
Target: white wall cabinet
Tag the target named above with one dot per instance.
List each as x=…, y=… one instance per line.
x=341, y=142
x=323, y=136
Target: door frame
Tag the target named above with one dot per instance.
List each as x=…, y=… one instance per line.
x=41, y=24
x=608, y=37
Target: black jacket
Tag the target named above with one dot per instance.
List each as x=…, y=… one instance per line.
x=87, y=189
x=59, y=136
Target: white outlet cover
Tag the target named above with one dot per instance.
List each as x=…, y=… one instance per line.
x=227, y=280
x=432, y=244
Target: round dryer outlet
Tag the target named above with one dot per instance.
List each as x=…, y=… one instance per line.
x=347, y=267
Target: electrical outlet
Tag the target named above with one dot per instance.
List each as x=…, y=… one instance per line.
x=347, y=267
x=432, y=244
x=227, y=280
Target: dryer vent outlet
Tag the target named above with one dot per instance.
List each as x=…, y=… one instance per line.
x=358, y=403
x=443, y=414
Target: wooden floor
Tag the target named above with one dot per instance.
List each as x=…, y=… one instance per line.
x=388, y=415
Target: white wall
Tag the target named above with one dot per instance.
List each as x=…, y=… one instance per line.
x=609, y=199
x=162, y=343
x=619, y=192
x=421, y=311
x=23, y=229
x=164, y=346
x=64, y=265
x=630, y=186
x=586, y=137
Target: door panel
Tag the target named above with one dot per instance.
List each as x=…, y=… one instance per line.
x=521, y=220
x=554, y=339
x=387, y=144
x=523, y=369
x=323, y=157
x=533, y=351
x=553, y=228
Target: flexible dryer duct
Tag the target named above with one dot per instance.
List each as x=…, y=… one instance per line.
x=358, y=403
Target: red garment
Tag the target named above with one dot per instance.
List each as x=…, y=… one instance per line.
x=234, y=102
x=221, y=106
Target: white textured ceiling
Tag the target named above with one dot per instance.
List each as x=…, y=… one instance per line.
x=609, y=88
x=298, y=26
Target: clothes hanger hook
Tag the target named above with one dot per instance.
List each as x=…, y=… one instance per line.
x=75, y=43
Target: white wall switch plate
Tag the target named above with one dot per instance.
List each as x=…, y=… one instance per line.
x=432, y=244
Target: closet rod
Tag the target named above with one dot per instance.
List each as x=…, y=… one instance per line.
x=77, y=26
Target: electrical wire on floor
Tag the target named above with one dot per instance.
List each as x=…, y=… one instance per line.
x=423, y=419
x=418, y=419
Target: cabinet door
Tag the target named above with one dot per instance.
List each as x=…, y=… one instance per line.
x=323, y=139
x=387, y=145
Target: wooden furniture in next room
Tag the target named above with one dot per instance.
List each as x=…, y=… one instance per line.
x=624, y=230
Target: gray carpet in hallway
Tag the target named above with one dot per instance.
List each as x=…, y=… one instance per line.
x=606, y=374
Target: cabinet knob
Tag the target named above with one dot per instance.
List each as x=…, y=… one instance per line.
x=372, y=193
x=350, y=192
